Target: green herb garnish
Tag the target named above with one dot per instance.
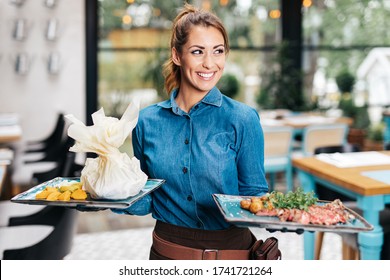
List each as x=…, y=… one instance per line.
x=297, y=199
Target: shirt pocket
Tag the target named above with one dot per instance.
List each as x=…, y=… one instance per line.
x=222, y=146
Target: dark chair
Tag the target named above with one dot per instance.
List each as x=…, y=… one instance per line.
x=23, y=176
x=55, y=151
x=66, y=165
x=55, y=239
x=54, y=246
x=322, y=192
x=387, y=146
x=55, y=136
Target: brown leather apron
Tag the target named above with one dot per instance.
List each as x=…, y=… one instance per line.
x=175, y=242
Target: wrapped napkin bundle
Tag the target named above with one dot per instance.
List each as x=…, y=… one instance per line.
x=112, y=175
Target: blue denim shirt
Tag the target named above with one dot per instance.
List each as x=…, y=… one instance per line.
x=218, y=147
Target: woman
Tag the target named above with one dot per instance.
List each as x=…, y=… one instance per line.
x=201, y=142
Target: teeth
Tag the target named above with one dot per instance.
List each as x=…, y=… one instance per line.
x=205, y=75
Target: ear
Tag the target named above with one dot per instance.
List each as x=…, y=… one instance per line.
x=175, y=57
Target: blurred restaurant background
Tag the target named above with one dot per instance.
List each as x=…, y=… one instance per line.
x=300, y=63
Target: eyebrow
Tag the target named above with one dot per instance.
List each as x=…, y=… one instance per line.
x=201, y=47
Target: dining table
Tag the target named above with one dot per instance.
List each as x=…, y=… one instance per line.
x=363, y=176
x=10, y=128
x=299, y=121
x=3, y=176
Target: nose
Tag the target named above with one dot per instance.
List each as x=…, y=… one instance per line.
x=207, y=61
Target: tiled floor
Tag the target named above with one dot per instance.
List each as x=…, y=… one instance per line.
x=105, y=235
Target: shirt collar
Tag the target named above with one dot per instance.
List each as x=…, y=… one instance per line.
x=213, y=97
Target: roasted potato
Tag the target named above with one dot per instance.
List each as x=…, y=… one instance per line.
x=65, y=196
x=42, y=195
x=256, y=206
x=245, y=204
x=53, y=196
x=79, y=194
x=66, y=192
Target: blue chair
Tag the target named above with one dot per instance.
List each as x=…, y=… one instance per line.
x=277, y=154
x=324, y=135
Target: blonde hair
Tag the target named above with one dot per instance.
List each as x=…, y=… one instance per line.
x=184, y=21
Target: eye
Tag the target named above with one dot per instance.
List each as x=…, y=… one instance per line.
x=196, y=52
x=219, y=51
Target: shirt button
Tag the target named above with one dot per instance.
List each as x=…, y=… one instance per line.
x=186, y=141
x=189, y=198
x=185, y=170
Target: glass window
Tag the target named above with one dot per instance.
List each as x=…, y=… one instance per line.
x=134, y=39
x=347, y=36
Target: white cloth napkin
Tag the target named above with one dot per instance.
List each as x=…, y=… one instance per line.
x=345, y=160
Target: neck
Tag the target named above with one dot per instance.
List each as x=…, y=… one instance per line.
x=186, y=100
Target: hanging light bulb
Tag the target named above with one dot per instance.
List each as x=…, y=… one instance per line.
x=307, y=3
x=223, y=2
x=274, y=14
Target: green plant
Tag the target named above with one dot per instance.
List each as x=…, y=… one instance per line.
x=345, y=81
x=347, y=105
x=376, y=131
x=280, y=88
x=229, y=85
x=153, y=72
x=359, y=114
x=361, y=119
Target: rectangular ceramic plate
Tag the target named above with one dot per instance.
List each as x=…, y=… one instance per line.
x=28, y=197
x=229, y=205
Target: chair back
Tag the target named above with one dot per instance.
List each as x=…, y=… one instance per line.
x=65, y=163
x=56, y=151
x=58, y=131
x=55, y=135
x=50, y=235
x=345, y=148
x=277, y=153
x=277, y=141
x=315, y=136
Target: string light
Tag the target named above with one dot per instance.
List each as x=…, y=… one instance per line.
x=126, y=19
x=274, y=14
x=307, y=3
x=223, y=2
x=206, y=5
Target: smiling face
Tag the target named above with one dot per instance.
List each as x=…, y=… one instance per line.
x=201, y=61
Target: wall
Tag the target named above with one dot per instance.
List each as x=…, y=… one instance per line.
x=37, y=95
